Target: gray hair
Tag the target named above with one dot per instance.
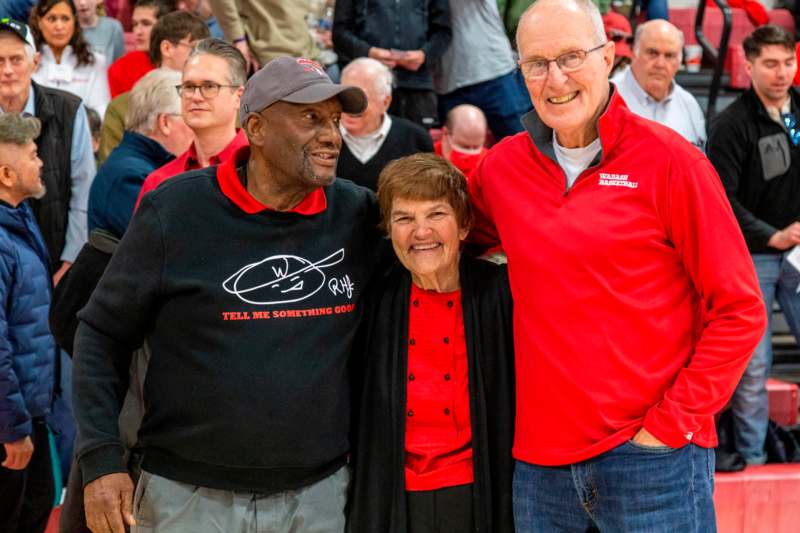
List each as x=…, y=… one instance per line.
x=641, y=28
x=153, y=95
x=381, y=74
x=19, y=129
x=237, y=64
x=30, y=51
x=587, y=6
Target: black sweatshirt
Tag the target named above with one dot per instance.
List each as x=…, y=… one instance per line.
x=404, y=138
x=250, y=315
x=759, y=167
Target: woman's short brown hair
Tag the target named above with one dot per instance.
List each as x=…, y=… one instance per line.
x=423, y=177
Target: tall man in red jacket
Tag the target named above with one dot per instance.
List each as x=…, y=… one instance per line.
x=636, y=302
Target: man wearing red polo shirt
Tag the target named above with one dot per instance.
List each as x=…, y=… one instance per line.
x=213, y=81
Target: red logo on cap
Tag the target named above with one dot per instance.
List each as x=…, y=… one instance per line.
x=311, y=66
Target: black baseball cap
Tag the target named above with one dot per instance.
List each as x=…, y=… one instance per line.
x=296, y=80
x=20, y=29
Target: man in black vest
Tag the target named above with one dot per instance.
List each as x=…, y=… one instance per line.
x=65, y=146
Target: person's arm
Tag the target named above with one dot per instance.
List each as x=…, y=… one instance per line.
x=117, y=41
x=112, y=325
x=483, y=233
x=728, y=147
x=113, y=126
x=227, y=13
x=98, y=95
x=702, y=228
x=345, y=42
x=82, y=171
x=439, y=30
x=16, y=421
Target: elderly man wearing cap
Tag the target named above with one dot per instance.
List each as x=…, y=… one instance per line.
x=649, y=87
x=64, y=145
x=246, y=282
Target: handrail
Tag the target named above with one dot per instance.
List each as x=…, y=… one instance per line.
x=717, y=55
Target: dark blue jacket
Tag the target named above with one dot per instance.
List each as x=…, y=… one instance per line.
x=27, y=349
x=423, y=25
x=16, y=9
x=116, y=185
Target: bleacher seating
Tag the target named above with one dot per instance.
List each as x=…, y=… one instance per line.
x=782, y=402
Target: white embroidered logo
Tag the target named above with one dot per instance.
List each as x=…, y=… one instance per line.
x=617, y=180
x=281, y=279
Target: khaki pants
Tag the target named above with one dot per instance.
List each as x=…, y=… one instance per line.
x=165, y=506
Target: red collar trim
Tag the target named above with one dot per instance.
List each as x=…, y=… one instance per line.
x=315, y=202
x=190, y=160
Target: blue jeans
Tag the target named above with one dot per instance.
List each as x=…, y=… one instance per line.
x=750, y=405
x=627, y=489
x=503, y=100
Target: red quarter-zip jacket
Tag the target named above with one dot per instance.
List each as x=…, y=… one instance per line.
x=635, y=300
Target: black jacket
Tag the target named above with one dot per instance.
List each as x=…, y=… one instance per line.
x=759, y=167
x=378, y=503
x=423, y=25
x=76, y=287
x=404, y=138
x=56, y=109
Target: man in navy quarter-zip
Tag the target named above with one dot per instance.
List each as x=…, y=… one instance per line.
x=246, y=281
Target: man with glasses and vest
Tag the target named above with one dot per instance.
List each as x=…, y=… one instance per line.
x=625, y=315
x=754, y=146
x=65, y=146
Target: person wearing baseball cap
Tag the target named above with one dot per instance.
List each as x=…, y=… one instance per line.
x=68, y=174
x=618, y=29
x=246, y=281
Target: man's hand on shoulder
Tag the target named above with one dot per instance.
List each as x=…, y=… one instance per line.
x=645, y=438
x=18, y=453
x=109, y=503
x=786, y=238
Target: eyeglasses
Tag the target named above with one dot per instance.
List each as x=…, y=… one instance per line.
x=567, y=62
x=207, y=90
x=790, y=121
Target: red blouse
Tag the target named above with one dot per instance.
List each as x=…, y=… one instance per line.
x=438, y=441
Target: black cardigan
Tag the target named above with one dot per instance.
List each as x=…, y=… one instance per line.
x=378, y=502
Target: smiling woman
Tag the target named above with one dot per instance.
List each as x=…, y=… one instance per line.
x=66, y=61
x=440, y=364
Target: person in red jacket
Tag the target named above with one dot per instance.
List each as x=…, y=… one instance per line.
x=128, y=69
x=636, y=303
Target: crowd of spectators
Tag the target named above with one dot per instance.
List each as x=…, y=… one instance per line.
x=120, y=96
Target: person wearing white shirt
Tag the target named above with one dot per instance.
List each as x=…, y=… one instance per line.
x=66, y=62
x=648, y=86
x=373, y=137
